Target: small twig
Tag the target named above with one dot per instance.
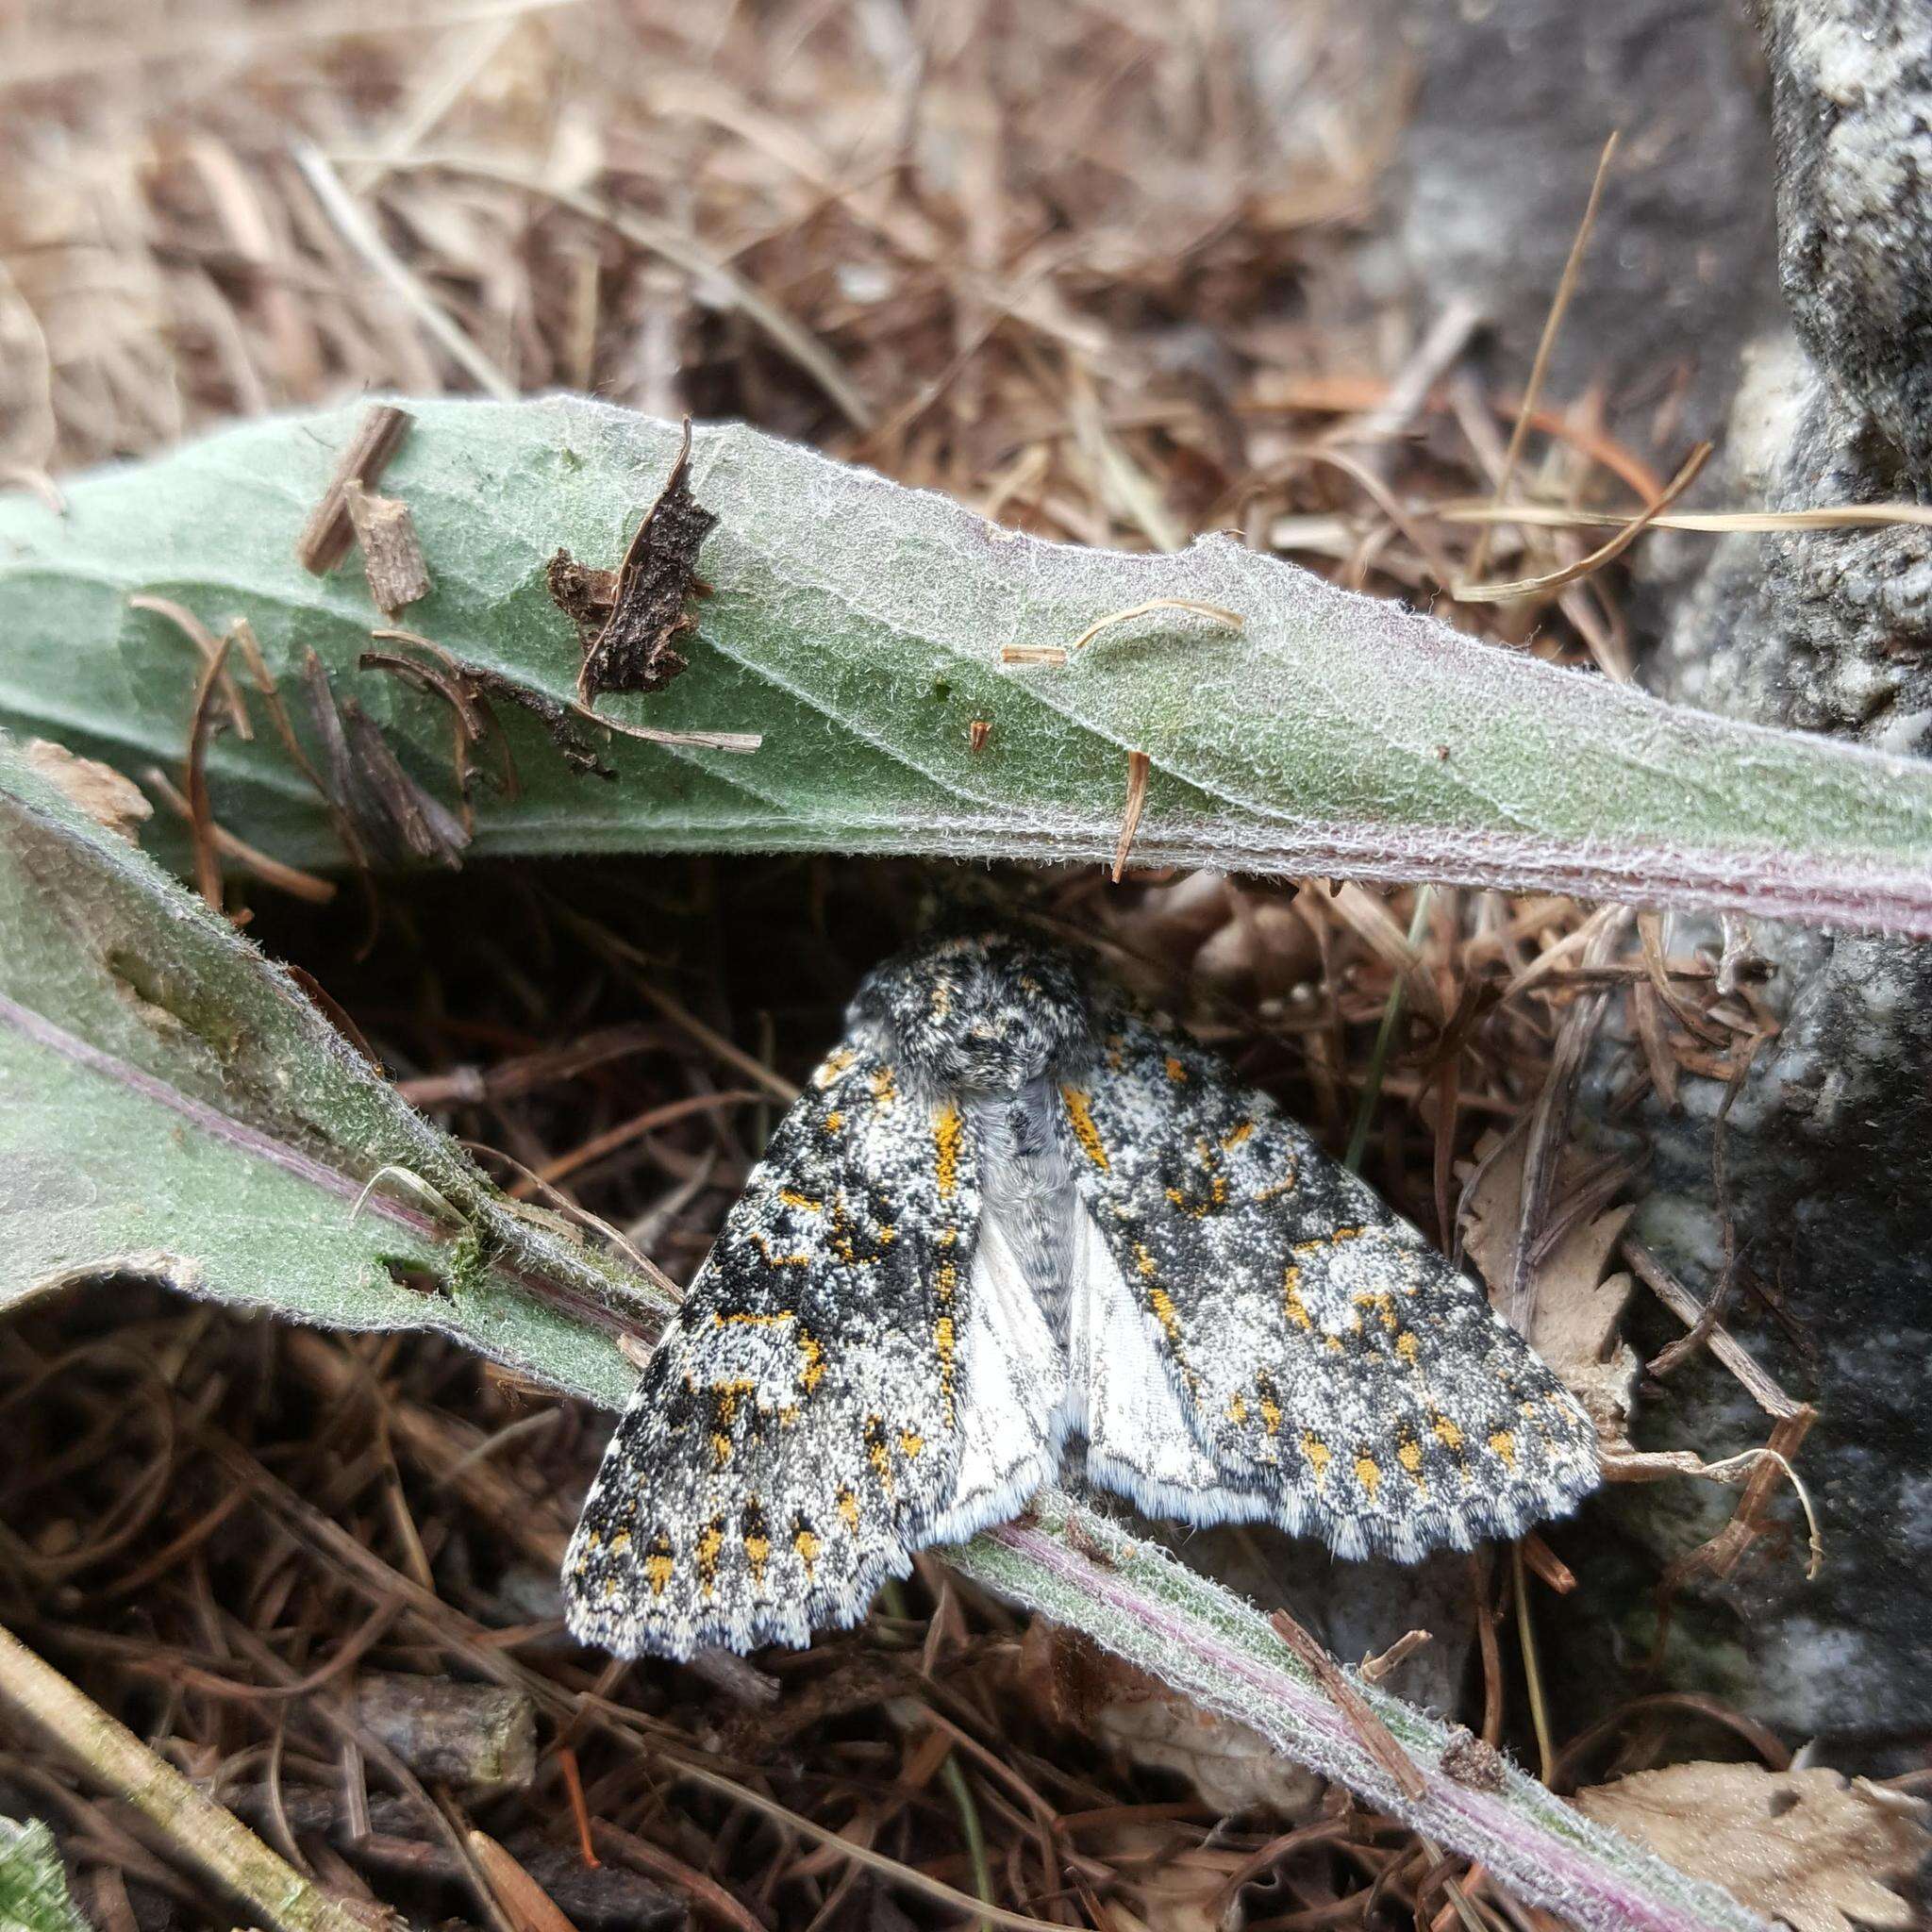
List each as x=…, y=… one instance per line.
x=392, y=552
x=1658, y=1465
x=1059, y=654
x=1723, y=1344
x=1566, y=283
x=1139, y=765
x=207, y=870
x=704, y=741
x=1375, y=1669
x=525, y=1903
x=200, y=1829
x=1532, y=1666
x=624, y=1133
x=326, y=536
x=1549, y=1567
x=1374, y=1735
x=205, y=643
x=270, y=872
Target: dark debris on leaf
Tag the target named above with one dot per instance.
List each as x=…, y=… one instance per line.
x=628, y=620
x=468, y=689
x=393, y=818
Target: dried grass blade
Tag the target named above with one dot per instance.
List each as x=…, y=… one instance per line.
x=1606, y=553
x=1566, y=284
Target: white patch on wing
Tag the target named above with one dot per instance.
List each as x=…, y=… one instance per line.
x=1120, y=1395
x=1009, y=1394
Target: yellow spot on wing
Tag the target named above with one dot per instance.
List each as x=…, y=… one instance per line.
x=658, y=1570
x=1176, y=1071
x=1237, y=1407
x=834, y=1122
x=807, y=1545
x=945, y=1342
x=814, y=1355
x=876, y=1452
x=885, y=1089
x=1292, y=1304
x=1410, y=1457
x=848, y=1508
x=832, y=1066
x=1143, y=1263
x=710, y=1544
x=720, y=1448
x=947, y=1133
x=772, y=1260
x=1080, y=1111
x=910, y=1444
x=728, y=1395
x=1407, y=1347
x=1447, y=1433
x=1504, y=1443
x=1368, y=1472
x=1333, y=1239
x=793, y=1198
x=1271, y=1410
x=757, y=1551
x=1319, y=1456
x=1164, y=1313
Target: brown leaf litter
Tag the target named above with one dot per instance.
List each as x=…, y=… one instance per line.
x=1580, y=1298
x=1813, y=1848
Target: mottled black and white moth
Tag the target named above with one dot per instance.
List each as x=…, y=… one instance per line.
x=1011, y=1211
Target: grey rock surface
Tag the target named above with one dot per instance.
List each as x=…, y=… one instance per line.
x=1513, y=102
x=1852, y=104
x=1829, y=1148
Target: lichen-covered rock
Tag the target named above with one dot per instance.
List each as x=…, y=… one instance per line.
x=1829, y=1144
x=1851, y=107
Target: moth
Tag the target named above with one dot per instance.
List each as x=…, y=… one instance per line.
x=1012, y=1214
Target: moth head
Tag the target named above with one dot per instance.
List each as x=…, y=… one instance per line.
x=987, y=1011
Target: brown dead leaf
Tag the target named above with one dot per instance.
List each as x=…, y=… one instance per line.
x=1578, y=1302
x=93, y=788
x=1168, y=1882
x=1122, y=1710
x=628, y=620
x=1810, y=1847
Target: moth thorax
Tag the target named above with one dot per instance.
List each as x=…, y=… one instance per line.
x=977, y=1015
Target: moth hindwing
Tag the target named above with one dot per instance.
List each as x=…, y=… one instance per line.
x=1009, y=1214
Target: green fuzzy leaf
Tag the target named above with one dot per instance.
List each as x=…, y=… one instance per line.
x=172, y=1107
x=33, y=1885
x=857, y=628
